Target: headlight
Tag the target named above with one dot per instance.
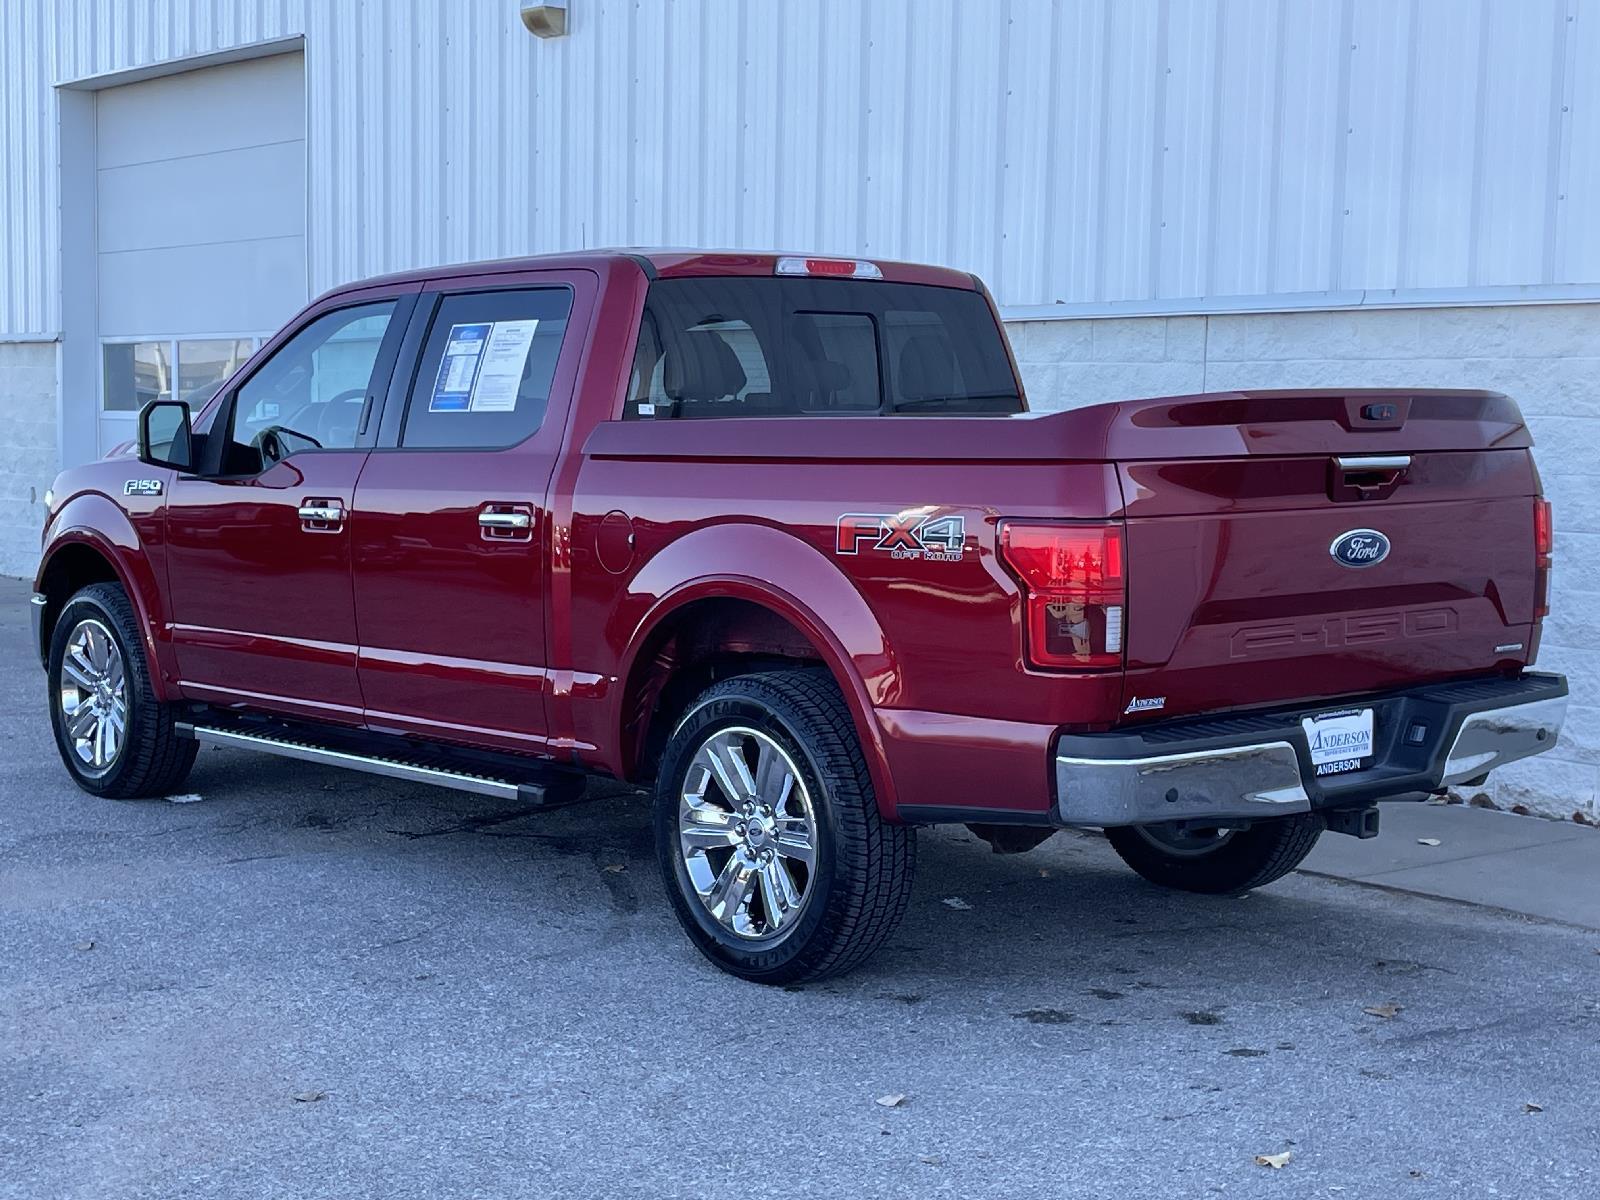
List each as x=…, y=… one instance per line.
x=49, y=500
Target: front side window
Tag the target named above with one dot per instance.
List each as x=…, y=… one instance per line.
x=785, y=346
x=311, y=393
x=484, y=377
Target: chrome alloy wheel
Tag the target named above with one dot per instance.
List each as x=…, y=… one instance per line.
x=93, y=696
x=747, y=833
x=1184, y=843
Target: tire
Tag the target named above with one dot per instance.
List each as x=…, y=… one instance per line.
x=148, y=758
x=1241, y=860
x=803, y=769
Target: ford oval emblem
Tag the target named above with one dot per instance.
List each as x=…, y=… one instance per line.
x=1359, y=548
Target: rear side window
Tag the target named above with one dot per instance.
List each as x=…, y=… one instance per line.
x=751, y=347
x=484, y=377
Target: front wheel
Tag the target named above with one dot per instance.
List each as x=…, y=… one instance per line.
x=114, y=736
x=1217, y=861
x=777, y=861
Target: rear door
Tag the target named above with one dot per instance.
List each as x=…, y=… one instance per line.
x=452, y=539
x=1276, y=577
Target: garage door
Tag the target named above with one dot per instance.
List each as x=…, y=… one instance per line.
x=200, y=228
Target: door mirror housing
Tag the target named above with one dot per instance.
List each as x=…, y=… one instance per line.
x=165, y=439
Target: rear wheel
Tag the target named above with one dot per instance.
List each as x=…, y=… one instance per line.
x=1217, y=861
x=777, y=861
x=114, y=736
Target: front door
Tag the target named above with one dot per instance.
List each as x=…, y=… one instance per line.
x=451, y=533
x=259, y=544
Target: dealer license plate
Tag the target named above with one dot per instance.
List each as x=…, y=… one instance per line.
x=1340, y=741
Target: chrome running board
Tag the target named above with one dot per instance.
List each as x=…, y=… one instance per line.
x=372, y=764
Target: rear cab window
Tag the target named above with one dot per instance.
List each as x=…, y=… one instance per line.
x=752, y=347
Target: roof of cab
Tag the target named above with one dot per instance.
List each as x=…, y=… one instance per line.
x=665, y=264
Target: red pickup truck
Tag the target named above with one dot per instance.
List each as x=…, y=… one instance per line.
x=779, y=538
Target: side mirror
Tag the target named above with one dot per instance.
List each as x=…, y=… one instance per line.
x=164, y=437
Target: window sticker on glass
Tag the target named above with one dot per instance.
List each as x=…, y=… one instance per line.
x=482, y=367
x=504, y=358
x=452, y=389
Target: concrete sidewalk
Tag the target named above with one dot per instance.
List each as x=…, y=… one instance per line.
x=1540, y=868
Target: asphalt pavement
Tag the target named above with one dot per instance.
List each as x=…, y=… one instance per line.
x=302, y=982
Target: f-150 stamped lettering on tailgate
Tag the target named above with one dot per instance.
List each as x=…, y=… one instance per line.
x=1364, y=629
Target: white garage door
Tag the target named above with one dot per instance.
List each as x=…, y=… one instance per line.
x=200, y=228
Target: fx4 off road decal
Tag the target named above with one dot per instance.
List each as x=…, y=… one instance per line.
x=903, y=535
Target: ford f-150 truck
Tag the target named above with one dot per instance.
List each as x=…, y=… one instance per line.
x=778, y=537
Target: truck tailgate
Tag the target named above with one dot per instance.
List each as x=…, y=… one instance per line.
x=1236, y=596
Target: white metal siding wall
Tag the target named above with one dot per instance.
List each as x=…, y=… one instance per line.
x=1076, y=152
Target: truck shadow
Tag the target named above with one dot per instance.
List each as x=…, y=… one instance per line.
x=1063, y=934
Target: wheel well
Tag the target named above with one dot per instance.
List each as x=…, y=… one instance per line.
x=693, y=648
x=69, y=570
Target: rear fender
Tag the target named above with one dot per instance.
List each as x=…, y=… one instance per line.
x=765, y=566
x=92, y=520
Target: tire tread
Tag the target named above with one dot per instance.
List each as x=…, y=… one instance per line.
x=1260, y=855
x=161, y=759
x=875, y=859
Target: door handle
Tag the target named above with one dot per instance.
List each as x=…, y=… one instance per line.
x=499, y=521
x=505, y=520
x=321, y=516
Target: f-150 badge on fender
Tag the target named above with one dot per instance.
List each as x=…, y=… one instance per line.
x=903, y=535
x=142, y=487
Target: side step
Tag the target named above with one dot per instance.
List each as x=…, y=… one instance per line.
x=285, y=744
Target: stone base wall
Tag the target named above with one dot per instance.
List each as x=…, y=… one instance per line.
x=27, y=449
x=1545, y=356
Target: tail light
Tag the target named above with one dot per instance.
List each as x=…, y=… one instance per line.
x=1543, y=547
x=1074, y=592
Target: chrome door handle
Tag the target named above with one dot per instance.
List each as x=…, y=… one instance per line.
x=331, y=514
x=505, y=520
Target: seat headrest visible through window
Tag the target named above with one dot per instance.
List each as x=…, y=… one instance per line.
x=701, y=366
x=927, y=368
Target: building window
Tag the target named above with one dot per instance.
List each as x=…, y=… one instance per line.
x=135, y=372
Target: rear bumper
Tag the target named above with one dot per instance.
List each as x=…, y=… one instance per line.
x=1254, y=766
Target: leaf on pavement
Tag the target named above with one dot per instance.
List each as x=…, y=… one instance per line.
x=615, y=868
x=1531, y=1107
x=892, y=1100
x=1385, y=1010
x=84, y=946
x=310, y=1097
x=957, y=903
x=1276, y=1161
x=1429, y=842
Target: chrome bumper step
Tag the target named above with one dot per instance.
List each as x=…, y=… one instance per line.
x=1256, y=766
x=285, y=745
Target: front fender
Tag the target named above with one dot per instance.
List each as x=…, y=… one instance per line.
x=92, y=520
x=776, y=570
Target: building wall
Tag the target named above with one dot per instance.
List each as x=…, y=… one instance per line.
x=1545, y=356
x=1086, y=153
x=27, y=449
